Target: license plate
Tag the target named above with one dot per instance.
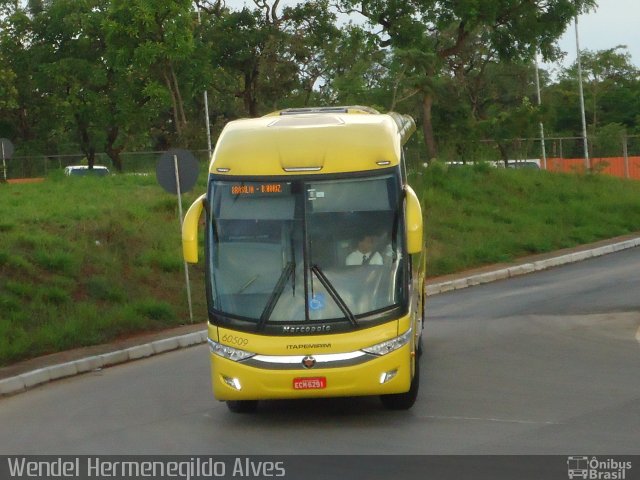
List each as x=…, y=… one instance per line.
x=309, y=383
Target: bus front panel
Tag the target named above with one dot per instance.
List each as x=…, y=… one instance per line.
x=317, y=366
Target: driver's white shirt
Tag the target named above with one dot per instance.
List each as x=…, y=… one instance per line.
x=356, y=258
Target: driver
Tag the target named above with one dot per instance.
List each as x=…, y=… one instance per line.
x=364, y=254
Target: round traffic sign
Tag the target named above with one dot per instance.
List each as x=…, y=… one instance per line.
x=187, y=170
x=6, y=148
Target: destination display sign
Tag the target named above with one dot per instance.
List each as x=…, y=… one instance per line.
x=260, y=189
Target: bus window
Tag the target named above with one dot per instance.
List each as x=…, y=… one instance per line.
x=263, y=269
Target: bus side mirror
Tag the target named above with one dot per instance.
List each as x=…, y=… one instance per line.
x=190, y=230
x=414, y=221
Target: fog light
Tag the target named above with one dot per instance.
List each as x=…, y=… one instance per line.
x=386, y=376
x=232, y=382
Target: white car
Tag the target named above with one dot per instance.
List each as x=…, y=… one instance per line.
x=81, y=170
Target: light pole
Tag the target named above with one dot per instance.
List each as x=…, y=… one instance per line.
x=543, y=150
x=206, y=102
x=587, y=162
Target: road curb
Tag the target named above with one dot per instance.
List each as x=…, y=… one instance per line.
x=33, y=378
x=530, y=267
x=24, y=381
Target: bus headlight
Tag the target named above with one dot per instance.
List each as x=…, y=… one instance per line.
x=389, y=346
x=225, y=351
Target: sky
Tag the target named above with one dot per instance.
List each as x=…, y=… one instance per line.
x=614, y=22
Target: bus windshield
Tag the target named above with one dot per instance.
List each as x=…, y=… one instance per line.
x=306, y=251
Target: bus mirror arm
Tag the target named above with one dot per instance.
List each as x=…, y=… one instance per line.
x=190, y=230
x=413, y=221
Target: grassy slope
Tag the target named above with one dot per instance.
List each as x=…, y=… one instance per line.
x=85, y=260
x=479, y=215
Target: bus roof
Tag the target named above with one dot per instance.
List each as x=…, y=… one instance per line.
x=312, y=140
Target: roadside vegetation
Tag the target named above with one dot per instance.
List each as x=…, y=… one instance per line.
x=481, y=215
x=84, y=260
x=87, y=260
x=105, y=77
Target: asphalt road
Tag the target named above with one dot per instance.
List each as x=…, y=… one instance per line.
x=544, y=363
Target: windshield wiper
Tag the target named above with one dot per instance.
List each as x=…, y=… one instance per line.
x=275, y=295
x=334, y=294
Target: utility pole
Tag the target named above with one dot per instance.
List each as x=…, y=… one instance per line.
x=206, y=103
x=587, y=162
x=542, y=147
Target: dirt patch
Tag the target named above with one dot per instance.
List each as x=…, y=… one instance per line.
x=25, y=180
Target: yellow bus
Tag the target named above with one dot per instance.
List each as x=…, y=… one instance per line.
x=314, y=258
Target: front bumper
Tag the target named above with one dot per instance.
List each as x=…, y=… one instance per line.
x=361, y=375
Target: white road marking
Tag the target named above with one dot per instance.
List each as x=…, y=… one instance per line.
x=500, y=420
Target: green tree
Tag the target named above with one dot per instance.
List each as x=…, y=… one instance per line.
x=24, y=117
x=312, y=40
x=433, y=33
x=504, y=106
x=241, y=43
x=607, y=75
x=606, y=71
x=612, y=99
x=272, y=57
x=8, y=89
x=69, y=43
x=150, y=44
x=358, y=72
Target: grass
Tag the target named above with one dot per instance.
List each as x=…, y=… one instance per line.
x=88, y=260
x=480, y=215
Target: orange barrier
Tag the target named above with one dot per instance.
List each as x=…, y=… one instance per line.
x=610, y=165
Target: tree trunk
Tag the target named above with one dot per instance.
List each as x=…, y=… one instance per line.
x=246, y=94
x=179, y=100
x=308, y=89
x=86, y=146
x=427, y=126
x=112, y=152
x=249, y=94
x=595, y=110
x=176, y=118
x=504, y=154
x=91, y=156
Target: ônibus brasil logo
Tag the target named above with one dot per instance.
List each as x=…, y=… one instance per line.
x=596, y=469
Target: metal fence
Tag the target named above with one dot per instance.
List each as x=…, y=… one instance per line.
x=43, y=165
x=554, y=147
x=616, y=155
